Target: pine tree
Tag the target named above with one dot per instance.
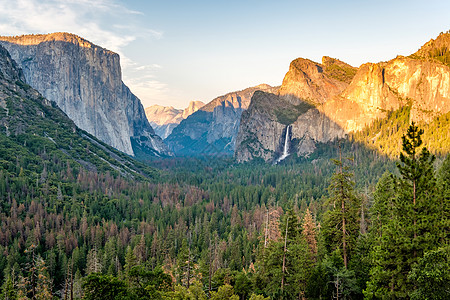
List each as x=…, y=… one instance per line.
x=93, y=262
x=36, y=283
x=130, y=260
x=410, y=220
x=443, y=183
x=309, y=232
x=185, y=268
x=140, y=251
x=288, y=262
x=341, y=224
x=382, y=209
x=417, y=184
x=8, y=289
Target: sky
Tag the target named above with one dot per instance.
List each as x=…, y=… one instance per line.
x=173, y=52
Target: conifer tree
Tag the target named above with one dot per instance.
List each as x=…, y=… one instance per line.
x=185, y=264
x=410, y=220
x=93, y=264
x=382, y=209
x=8, y=291
x=309, y=232
x=287, y=263
x=341, y=223
x=443, y=183
x=130, y=260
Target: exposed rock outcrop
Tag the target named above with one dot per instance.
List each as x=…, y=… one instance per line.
x=165, y=118
x=308, y=81
x=34, y=129
x=325, y=101
x=85, y=81
x=214, y=127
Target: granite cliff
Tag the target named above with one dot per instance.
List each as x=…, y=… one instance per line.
x=36, y=133
x=322, y=102
x=165, y=118
x=306, y=86
x=214, y=127
x=85, y=81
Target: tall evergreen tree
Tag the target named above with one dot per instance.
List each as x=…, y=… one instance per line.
x=443, y=182
x=288, y=262
x=410, y=227
x=341, y=222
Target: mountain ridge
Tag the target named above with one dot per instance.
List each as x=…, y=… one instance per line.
x=85, y=81
x=164, y=119
x=334, y=106
x=212, y=130
x=35, y=130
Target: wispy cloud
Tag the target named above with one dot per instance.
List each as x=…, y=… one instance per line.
x=90, y=19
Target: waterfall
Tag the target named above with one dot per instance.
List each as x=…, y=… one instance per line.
x=286, y=145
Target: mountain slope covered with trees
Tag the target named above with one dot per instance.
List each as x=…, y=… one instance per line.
x=80, y=220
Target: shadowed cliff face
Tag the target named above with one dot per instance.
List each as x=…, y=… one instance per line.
x=325, y=101
x=85, y=81
x=263, y=128
x=214, y=127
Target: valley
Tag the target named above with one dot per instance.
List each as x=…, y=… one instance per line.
x=335, y=184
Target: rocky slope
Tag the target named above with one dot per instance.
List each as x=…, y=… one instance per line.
x=306, y=86
x=85, y=82
x=36, y=133
x=165, y=118
x=214, y=127
x=321, y=102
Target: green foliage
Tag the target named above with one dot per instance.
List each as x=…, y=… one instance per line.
x=341, y=222
x=146, y=284
x=225, y=292
x=194, y=292
x=385, y=134
x=242, y=285
x=88, y=208
x=443, y=184
x=340, y=71
x=258, y=297
x=442, y=55
x=408, y=221
x=97, y=287
x=290, y=282
x=289, y=115
x=431, y=275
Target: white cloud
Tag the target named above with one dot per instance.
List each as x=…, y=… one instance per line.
x=90, y=19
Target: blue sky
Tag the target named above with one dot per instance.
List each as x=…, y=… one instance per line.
x=173, y=52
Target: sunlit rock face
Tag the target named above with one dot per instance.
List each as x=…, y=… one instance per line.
x=326, y=101
x=165, y=118
x=85, y=81
x=310, y=81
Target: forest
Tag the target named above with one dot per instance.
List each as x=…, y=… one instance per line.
x=347, y=222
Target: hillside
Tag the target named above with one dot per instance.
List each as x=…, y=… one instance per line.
x=214, y=127
x=81, y=218
x=36, y=135
x=85, y=81
x=323, y=102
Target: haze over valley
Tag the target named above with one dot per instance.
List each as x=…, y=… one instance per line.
x=224, y=150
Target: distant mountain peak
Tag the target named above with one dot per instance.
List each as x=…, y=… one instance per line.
x=165, y=118
x=212, y=130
